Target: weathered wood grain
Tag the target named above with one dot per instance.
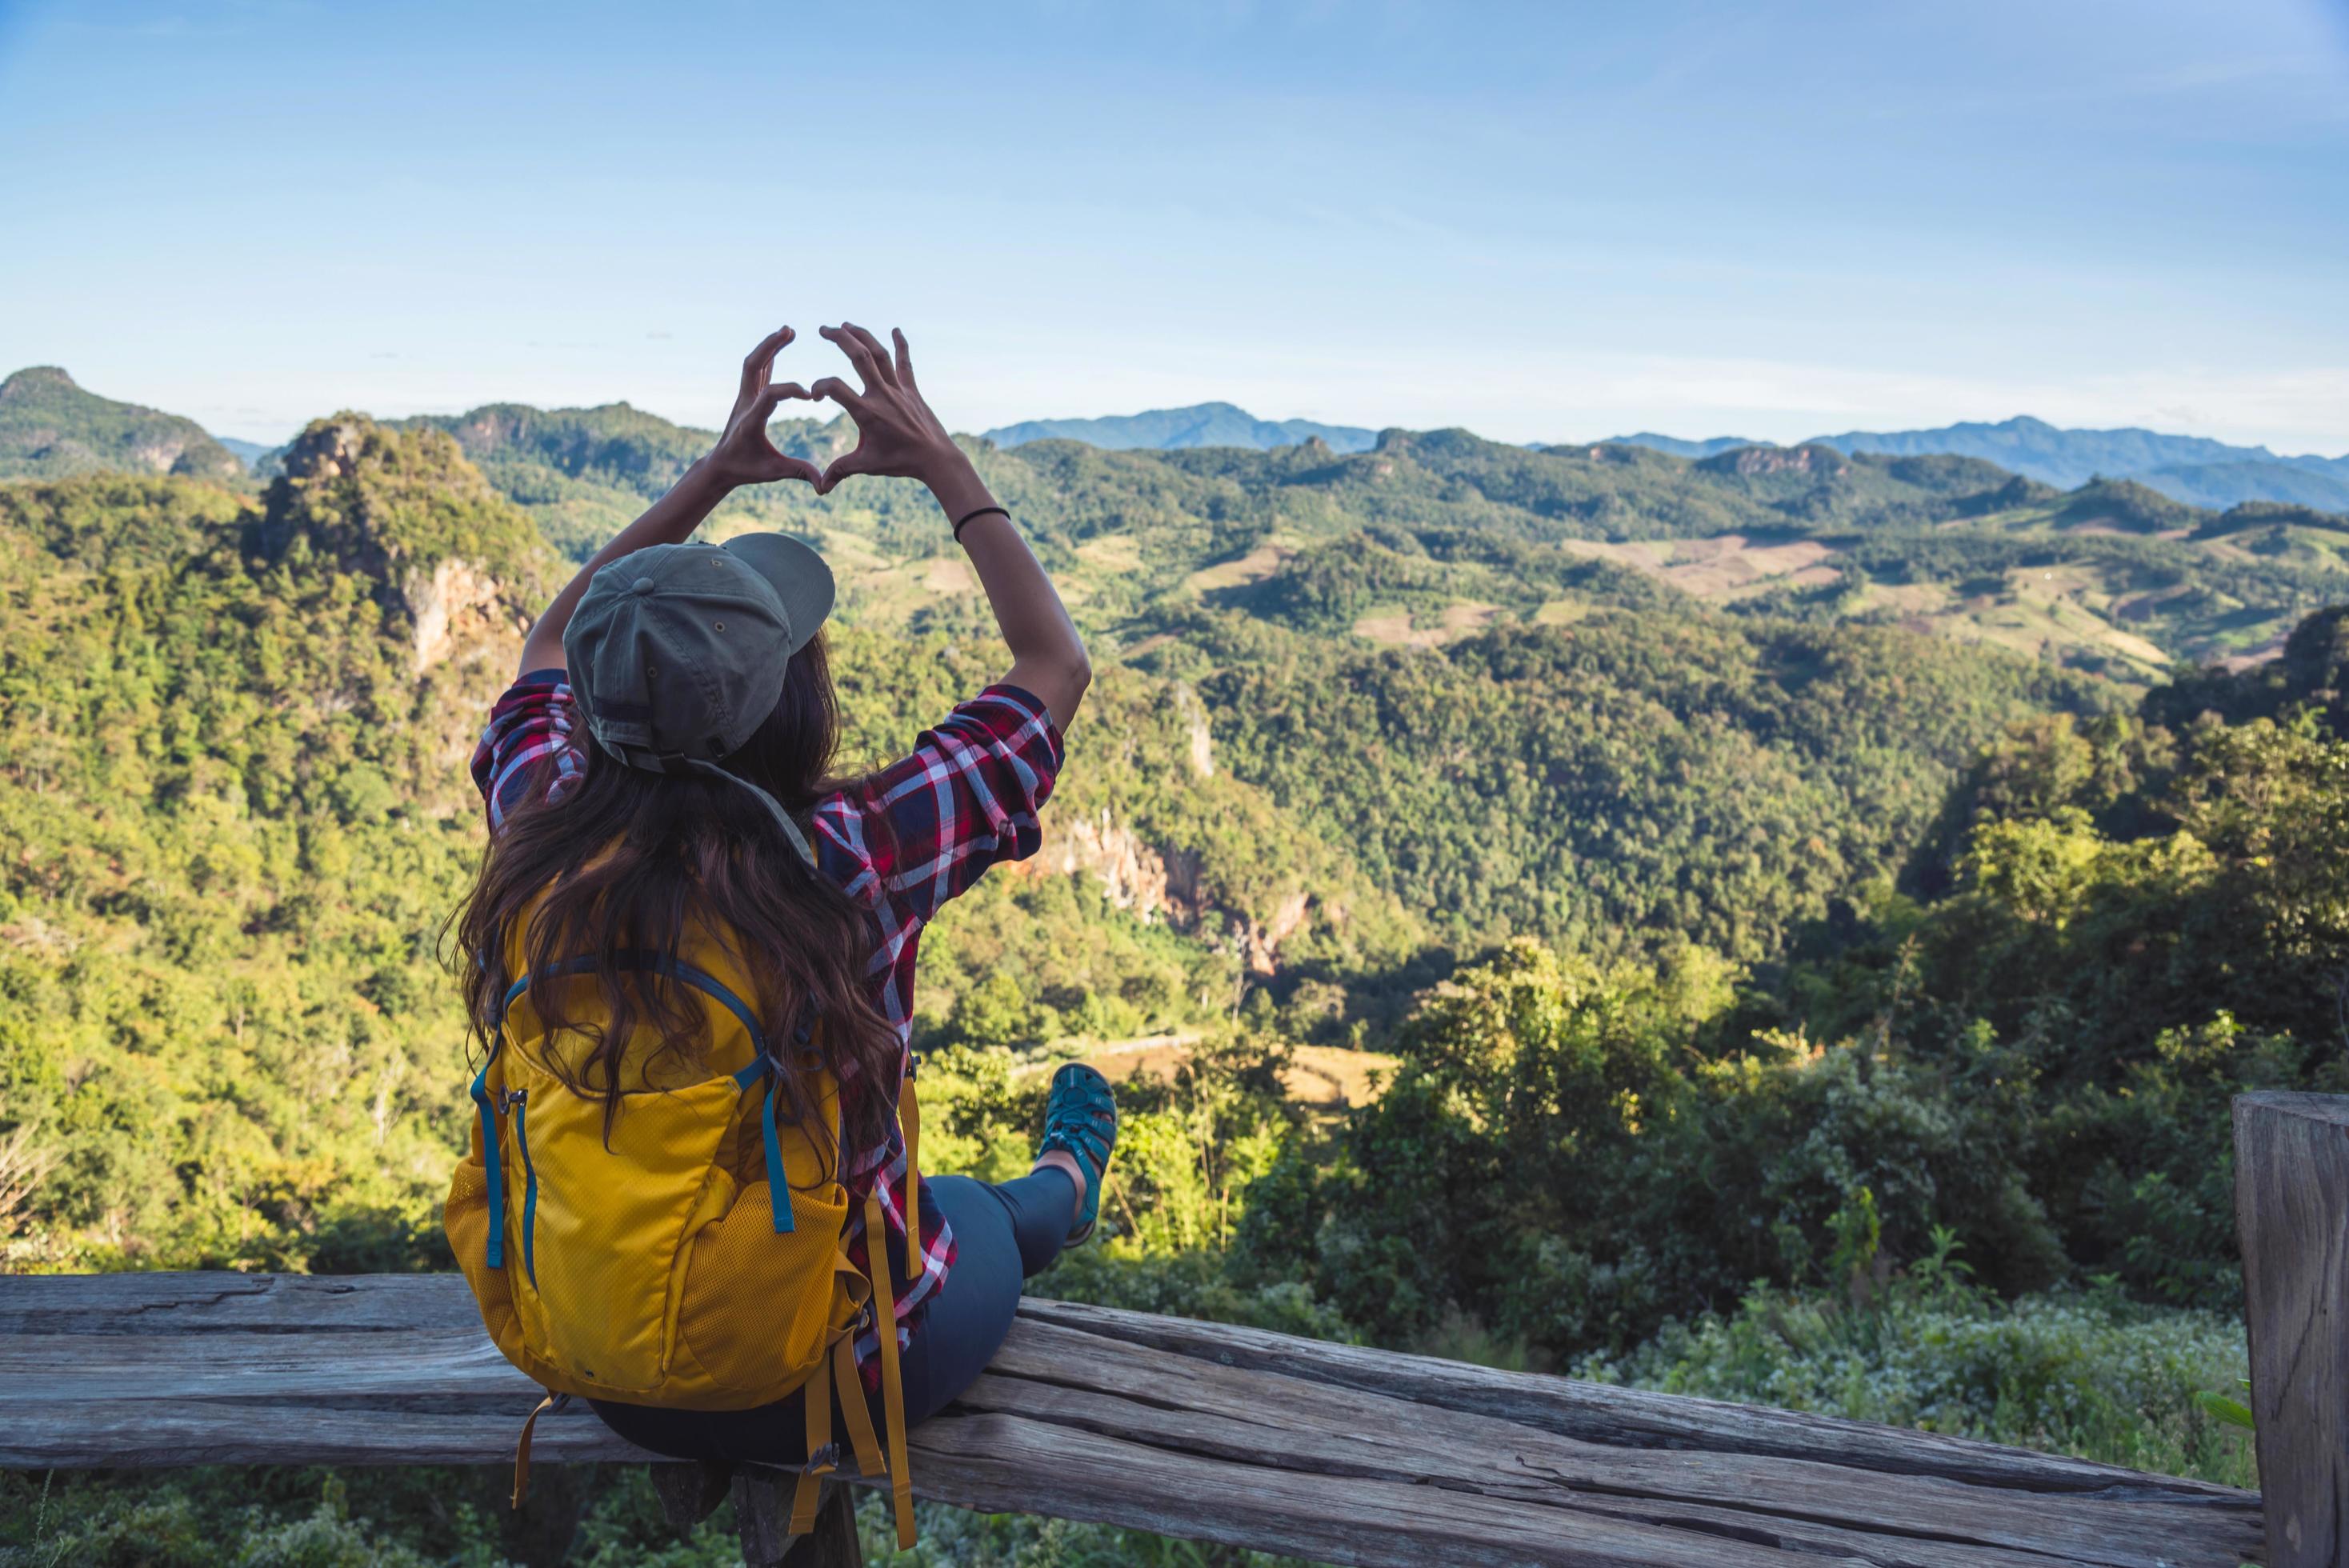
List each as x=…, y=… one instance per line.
x=1236, y=1415
x=1622, y=1418
x=1212, y=1433
x=2292, y=1214
x=689, y=1493
x=142, y=1305
x=762, y=1512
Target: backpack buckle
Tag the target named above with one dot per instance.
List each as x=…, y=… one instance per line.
x=824, y=1461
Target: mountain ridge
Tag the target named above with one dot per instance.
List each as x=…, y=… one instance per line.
x=1177, y=429
x=2198, y=469
x=53, y=427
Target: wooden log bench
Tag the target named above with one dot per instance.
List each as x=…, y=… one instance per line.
x=1213, y=1433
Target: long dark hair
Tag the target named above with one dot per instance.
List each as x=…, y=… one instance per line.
x=632, y=859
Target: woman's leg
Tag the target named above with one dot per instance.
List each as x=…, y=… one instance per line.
x=1042, y=1205
x=1003, y=1233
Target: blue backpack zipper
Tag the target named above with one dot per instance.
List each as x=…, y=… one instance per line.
x=518, y=1102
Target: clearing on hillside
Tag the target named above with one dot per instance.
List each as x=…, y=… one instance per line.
x=1726, y=566
x=1326, y=1079
x=1254, y=567
x=1457, y=620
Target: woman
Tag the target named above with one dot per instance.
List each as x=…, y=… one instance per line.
x=657, y=791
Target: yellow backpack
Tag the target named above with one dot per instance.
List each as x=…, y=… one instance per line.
x=696, y=1261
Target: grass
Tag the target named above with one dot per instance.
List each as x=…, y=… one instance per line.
x=2085, y=1373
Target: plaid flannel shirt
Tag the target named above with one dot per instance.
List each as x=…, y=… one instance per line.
x=901, y=843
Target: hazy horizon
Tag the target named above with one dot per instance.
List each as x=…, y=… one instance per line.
x=1544, y=223
x=827, y=411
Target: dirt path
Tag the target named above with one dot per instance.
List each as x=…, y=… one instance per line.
x=1328, y=1078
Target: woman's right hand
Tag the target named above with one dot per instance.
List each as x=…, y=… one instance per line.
x=896, y=434
x=743, y=455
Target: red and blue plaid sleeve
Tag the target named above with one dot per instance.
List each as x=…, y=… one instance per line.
x=528, y=745
x=968, y=796
x=902, y=842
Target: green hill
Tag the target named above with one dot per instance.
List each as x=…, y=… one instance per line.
x=51, y=429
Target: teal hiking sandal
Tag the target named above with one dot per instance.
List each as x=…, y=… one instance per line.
x=1080, y=1122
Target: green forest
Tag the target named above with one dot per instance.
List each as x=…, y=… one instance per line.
x=1789, y=923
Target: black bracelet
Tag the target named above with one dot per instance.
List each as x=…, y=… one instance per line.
x=981, y=511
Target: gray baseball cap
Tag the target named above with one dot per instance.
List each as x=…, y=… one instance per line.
x=678, y=651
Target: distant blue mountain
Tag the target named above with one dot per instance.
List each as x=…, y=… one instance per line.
x=249, y=453
x=2185, y=467
x=1201, y=425
x=2040, y=450
x=1710, y=446
x=2300, y=481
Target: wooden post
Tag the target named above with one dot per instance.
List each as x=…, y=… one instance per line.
x=762, y=1508
x=690, y=1493
x=2291, y=1215
x=833, y=1543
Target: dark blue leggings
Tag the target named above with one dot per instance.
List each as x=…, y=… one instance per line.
x=1003, y=1233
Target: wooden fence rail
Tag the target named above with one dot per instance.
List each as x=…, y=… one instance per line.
x=1332, y=1452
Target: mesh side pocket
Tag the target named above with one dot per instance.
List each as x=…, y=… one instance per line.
x=759, y=1307
x=465, y=1220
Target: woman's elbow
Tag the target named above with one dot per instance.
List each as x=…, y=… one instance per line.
x=1058, y=678
x=1069, y=677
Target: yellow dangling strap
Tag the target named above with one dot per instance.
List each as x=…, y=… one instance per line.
x=909, y=1121
x=861, y=1434
x=521, y=1445
x=816, y=1394
x=893, y=1392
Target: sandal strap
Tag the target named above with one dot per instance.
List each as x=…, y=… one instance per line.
x=1080, y=1122
x=1084, y=1144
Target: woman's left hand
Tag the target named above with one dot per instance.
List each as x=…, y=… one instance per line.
x=896, y=434
x=743, y=455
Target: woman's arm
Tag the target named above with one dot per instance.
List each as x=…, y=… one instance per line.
x=742, y=456
x=899, y=435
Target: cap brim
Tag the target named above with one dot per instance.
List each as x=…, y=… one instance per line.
x=797, y=574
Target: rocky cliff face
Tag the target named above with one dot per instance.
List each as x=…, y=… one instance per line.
x=458, y=611
x=1757, y=462
x=328, y=449
x=453, y=561
x=1201, y=754
x=1162, y=881
x=1140, y=876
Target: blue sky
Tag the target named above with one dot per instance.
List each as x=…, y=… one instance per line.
x=1543, y=221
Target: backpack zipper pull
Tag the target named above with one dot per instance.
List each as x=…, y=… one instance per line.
x=517, y=1105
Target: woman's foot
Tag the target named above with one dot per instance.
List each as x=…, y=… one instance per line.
x=1081, y=1123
